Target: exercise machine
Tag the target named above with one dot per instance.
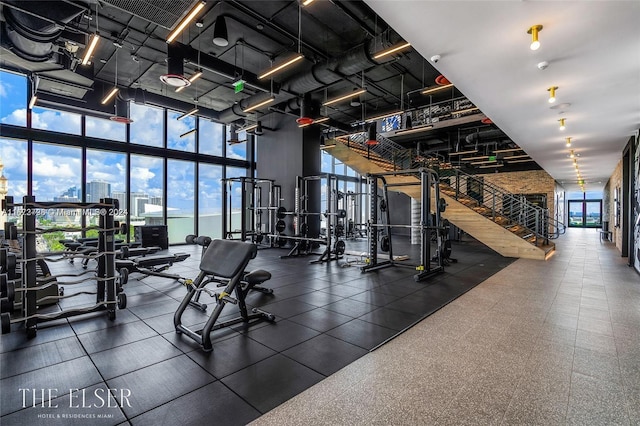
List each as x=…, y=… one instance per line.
x=226, y=261
x=429, y=220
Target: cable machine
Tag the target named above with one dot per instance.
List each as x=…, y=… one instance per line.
x=429, y=222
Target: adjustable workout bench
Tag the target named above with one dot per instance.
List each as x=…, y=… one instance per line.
x=223, y=260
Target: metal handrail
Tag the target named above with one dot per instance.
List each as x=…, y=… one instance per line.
x=510, y=209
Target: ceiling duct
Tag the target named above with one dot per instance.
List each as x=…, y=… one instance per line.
x=139, y=95
x=489, y=134
x=31, y=37
x=322, y=74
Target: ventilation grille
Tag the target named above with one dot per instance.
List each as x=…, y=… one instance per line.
x=165, y=13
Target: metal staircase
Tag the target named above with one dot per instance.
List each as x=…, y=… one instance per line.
x=510, y=212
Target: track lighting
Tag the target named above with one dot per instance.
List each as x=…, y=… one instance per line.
x=281, y=66
x=436, y=88
x=187, y=114
x=462, y=111
x=552, y=93
x=32, y=101
x=185, y=21
x=391, y=50
x=187, y=133
x=111, y=94
x=306, y=2
x=92, y=46
x=414, y=130
x=345, y=97
x=471, y=151
x=260, y=104
x=380, y=117
x=535, y=43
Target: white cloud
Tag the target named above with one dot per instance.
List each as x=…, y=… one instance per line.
x=46, y=166
x=142, y=174
x=17, y=117
x=4, y=89
x=55, y=121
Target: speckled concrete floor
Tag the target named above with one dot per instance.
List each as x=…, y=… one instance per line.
x=555, y=342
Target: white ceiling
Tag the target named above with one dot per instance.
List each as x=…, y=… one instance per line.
x=593, y=50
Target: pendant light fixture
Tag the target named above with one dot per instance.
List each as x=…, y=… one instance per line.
x=220, y=34
x=187, y=19
x=562, y=126
x=372, y=136
x=568, y=139
x=93, y=43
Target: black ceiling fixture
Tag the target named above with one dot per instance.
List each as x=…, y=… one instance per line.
x=175, y=67
x=220, y=34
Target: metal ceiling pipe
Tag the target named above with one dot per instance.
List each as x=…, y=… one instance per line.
x=31, y=37
x=140, y=95
x=475, y=137
x=327, y=72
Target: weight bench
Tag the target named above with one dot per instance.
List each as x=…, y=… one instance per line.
x=226, y=261
x=152, y=265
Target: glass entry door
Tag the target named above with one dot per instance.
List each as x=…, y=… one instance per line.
x=585, y=213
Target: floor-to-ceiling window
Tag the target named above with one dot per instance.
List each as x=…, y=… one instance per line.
x=585, y=212
x=161, y=170
x=181, y=183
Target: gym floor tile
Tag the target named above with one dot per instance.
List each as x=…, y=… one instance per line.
x=342, y=290
x=160, y=383
x=373, y=297
x=77, y=373
x=321, y=319
x=325, y=354
x=287, y=308
x=47, y=332
x=111, y=337
x=226, y=408
x=350, y=307
x=271, y=382
x=282, y=335
x=390, y=318
x=361, y=333
x=99, y=321
x=231, y=355
x=155, y=309
x=39, y=356
x=318, y=298
x=291, y=290
x=133, y=356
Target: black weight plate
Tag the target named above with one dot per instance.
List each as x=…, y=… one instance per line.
x=3, y=259
x=280, y=226
x=190, y=239
x=259, y=238
x=442, y=204
x=342, y=213
x=384, y=244
x=281, y=212
x=339, y=247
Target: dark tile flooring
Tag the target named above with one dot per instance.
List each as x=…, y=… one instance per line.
x=137, y=370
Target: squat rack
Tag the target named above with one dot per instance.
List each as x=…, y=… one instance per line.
x=428, y=181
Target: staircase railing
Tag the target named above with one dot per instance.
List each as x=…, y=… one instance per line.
x=508, y=209
x=512, y=210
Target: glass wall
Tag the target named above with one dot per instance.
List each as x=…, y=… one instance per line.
x=177, y=137
x=55, y=120
x=180, y=199
x=107, y=178
x=210, y=200
x=13, y=98
x=148, y=125
x=57, y=176
x=106, y=129
x=210, y=134
x=133, y=170
x=234, y=200
x=146, y=197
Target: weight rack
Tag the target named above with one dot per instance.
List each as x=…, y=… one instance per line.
x=107, y=287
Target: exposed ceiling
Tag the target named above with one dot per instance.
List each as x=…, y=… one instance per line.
x=593, y=51
x=483, y=48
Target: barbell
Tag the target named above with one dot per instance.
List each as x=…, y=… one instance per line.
x=282, y=212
